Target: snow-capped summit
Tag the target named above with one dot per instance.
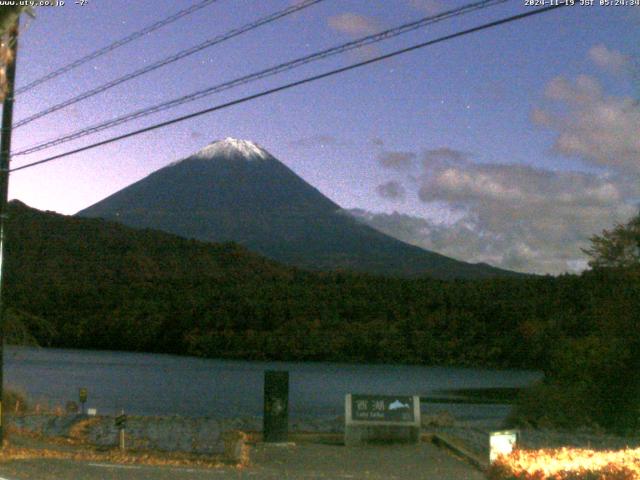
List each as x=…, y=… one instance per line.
x=233, y=148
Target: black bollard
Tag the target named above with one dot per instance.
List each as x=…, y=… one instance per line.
x=276, y=406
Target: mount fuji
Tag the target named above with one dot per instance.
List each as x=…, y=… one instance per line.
x=235, y=190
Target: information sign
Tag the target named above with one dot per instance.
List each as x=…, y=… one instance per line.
x=381, y=418
x=382, y=408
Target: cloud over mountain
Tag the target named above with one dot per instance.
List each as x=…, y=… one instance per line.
x=391, y=190
x=525, y=217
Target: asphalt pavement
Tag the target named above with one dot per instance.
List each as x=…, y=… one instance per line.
x=270, y=462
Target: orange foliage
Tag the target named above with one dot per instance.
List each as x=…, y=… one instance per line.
x=567, y=464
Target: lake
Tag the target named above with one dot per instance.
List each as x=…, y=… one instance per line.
x=153, y=384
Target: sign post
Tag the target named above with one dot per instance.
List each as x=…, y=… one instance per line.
x=381, y=419
x=276, y=406
x=83, y=394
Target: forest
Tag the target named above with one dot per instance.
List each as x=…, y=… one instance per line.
x=86, y=283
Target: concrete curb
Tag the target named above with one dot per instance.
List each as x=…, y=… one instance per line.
x=457, y=447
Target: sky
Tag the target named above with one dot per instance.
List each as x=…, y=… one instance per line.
x=511, y=146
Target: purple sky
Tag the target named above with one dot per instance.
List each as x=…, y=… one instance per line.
x=510, y=146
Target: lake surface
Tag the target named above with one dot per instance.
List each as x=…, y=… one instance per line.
x=152, y=384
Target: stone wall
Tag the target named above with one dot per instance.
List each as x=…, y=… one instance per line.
x=172, y=433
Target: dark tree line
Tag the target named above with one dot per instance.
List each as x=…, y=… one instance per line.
x=92, y=284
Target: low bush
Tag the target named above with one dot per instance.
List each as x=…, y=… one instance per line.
x=14, y=401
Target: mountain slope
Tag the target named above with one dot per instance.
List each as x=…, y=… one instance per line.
x=67, y=252
x=234, y=190
x=87, y=283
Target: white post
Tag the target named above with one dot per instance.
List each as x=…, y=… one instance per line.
x=501, y=443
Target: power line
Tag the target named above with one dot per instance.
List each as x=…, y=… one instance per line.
x=287, y=86
x=173, y=58
x=358, y=43
x=119, y=43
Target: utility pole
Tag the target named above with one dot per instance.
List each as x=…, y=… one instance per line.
x=5, y=153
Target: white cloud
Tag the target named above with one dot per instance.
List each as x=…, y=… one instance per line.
x=585, y=90
x=357, y=26
x=353, y=24
x=524, y=217
x=525, y=241
x=512, y=216
x=608, y=60
x=601, y=130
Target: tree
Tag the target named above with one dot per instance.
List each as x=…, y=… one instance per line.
x=8, y=17
x=619, y=247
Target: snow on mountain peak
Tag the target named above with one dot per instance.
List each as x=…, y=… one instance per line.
x=232, y=147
